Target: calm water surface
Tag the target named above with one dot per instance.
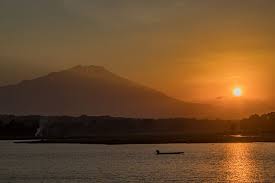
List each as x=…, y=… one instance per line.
x=76, y=163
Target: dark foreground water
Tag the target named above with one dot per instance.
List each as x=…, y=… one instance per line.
x=76, y=163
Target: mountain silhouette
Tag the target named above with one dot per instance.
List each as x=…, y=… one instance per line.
x=92, y=90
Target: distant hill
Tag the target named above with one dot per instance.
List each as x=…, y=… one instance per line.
x=92, y=90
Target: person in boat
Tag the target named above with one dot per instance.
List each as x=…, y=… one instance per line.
x=158, y=152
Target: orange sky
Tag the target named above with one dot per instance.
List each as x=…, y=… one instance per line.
x=192, y=50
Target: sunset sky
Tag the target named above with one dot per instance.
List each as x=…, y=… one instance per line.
x=193, y=50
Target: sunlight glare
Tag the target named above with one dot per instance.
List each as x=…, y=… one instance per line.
x=237, y=92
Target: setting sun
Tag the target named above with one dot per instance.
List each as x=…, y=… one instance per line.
x=237, y=92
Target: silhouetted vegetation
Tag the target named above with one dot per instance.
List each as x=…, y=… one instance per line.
x=15, y=127
x=111, y=128
x=256, y=124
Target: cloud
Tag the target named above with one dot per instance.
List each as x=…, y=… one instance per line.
x=219, y=98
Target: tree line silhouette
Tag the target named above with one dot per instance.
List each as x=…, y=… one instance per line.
x=28, y=127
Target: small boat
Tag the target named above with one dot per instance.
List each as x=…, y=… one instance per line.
x=163, y=153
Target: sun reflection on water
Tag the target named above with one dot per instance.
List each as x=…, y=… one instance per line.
x=240, y=164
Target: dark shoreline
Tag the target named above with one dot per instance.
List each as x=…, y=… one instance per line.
x=132, y=140
x=118, y=130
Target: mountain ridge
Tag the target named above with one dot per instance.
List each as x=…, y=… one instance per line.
x=92, y=90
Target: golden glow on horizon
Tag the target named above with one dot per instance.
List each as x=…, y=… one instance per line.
x=237, y=92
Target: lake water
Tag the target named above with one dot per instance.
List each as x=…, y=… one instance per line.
x=77, y=163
